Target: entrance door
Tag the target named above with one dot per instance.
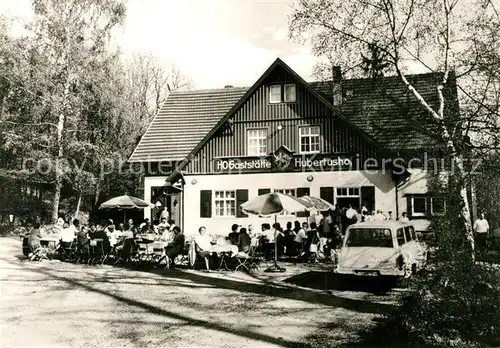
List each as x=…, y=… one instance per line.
x=161, y=200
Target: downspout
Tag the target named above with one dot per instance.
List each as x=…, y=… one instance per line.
x=396, y=184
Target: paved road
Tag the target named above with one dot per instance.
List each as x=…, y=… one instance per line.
x=54, y=304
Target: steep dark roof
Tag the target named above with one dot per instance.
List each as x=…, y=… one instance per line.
x=383, y=109
x=386, y=110
x=183, y=121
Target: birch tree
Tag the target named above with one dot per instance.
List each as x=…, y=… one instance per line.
x=445, y=36
x=66, y=40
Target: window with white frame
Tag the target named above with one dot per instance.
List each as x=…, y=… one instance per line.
x=438, y=205
x=275, y=94
x=418, y=206
x=257, y=142
x=309, y=139
x=290, y=192
x=347, y=192
x=289, y=93
x=225, y=203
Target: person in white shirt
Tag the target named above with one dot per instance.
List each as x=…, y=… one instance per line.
x=390, y=216
x=75, y=226
x=404, y=218
x=204, y=243
x=112, y=234
x=67, y=236
x=164, y=214
x=351, y=213
x=300, y=236
x=481, y=229
x=379, y=216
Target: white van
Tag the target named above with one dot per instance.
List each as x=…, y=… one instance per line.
x=381, y=248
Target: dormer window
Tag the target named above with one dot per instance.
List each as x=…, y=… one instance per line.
x=289, y=93
x=275, y=94
x=282, y=93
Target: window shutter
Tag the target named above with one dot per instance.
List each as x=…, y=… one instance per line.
x=326, y=193
x=409, y=207
x=368, y=197
x=206, y=203
x=241, y=197
x=302, y=191
x=263, y=191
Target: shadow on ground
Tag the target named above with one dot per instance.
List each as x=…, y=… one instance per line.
x=332, y=281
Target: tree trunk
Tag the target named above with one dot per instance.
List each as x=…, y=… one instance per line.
x=465, y=214
x=77, y=210
x=97, y=191
x=60, y=154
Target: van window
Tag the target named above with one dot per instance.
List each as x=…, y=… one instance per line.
x=369, y=237
x=400, y=236
x=408, y=234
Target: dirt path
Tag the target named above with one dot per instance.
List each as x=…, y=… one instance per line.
x=54, y=304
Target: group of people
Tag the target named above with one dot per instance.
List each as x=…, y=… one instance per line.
x=112, y=237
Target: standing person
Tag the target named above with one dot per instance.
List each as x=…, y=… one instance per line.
x=164, y=214
x=300, y=237
x=404, y=217
x=337, y=217
x=289, y=239
x=350, y=216
x=379, y=216
x=325, y=228
x=312, y=242
x=390, y=216
x=481, y=229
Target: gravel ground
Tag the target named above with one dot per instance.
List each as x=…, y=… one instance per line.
x=55, y=304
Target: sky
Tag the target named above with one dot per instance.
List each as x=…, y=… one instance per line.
x=214, y=42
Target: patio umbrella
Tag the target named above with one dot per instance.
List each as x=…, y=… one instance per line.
x=273, y=204
x=316, y=203
x=125, y=202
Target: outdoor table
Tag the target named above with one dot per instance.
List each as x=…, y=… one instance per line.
x=224, y=251
x=49, y=242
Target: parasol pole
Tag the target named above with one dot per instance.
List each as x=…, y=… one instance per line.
x=275, y=267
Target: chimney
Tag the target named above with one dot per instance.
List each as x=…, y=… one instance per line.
x=336, y=85
x=228, y=86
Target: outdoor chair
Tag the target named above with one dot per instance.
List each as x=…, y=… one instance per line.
x=98, y=254
x=183, y=258
x=247, y=261
x=39, y=254
x=83, y=253
x=68, y=251
x=127, y=253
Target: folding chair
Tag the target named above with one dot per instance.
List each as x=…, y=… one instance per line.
x=98, y=253
x=127, y=253
x=247, y=261
x=68, y=251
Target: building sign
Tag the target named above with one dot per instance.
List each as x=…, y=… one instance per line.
x=283, y=161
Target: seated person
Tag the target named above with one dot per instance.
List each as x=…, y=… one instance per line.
x=300, y=235
x=244, y=240
x=177, y=245
x=233, y=236
x=67, y=236
x=127, y=234
x=83, y=240
x=101, y=234
x=34, y=237
x=204, y=243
